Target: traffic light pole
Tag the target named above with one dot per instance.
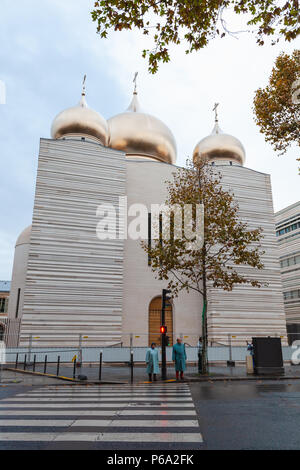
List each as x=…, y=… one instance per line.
x=163, y=347
x=163, y=335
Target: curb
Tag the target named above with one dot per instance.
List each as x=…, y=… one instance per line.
x=61, y=377
x=186, y=380
x=241, y=379
x=41, y=374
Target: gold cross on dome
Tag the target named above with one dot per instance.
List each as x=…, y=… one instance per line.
x=83, y=85
x=134, y=81
x=215, y=109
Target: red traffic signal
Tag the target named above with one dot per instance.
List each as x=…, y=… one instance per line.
x=163, y=330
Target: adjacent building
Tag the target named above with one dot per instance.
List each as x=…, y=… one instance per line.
x=4, y=297
x=288, y=237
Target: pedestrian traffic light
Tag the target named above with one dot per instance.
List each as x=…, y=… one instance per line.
x=163, y=330
x=167, y=340
x=165, y=299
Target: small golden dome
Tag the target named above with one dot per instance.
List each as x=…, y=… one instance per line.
x=219, y=146
x=138, y=133
x=80, y=120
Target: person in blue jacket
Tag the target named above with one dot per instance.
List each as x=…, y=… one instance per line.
x=179, y=357
x=152, y=362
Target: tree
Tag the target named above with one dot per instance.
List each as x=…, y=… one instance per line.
x=277, y=107
x=195, y=22
x=228, y=242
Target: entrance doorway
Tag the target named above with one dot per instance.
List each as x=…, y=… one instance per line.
x=155, y=319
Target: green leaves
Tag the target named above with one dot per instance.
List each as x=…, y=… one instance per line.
x=276, y=113
x=194, y=22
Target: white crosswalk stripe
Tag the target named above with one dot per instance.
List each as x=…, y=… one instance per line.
x=109, y=414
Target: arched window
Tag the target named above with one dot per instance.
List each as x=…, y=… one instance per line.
x=155, y=320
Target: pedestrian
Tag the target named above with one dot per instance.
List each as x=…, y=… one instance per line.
x=152, y=362
x=179, y=357
x=250, y=348
x=200, y=349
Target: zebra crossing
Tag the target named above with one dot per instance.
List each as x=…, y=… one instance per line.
x=106, y=416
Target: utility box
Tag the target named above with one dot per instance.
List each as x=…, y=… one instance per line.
x=249, y=365
x=268, y=356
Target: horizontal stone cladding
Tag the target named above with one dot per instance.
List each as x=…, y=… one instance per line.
x=74, y=283
x=289, y=247
x=248, y=311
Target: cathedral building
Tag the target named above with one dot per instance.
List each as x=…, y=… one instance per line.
x=67, y=282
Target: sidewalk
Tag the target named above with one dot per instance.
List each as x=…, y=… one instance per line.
x=122, y=374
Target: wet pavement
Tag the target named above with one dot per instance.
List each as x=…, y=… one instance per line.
x=248, y=415
x=122, y=373
x=105, y=417
x=252, y=415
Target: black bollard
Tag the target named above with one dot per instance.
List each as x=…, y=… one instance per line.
x=25, y=358
x=58, y=363
x=45, y=364
x=74, y=369
x=17, y=358
x=34, y=360
x=100, y=366
x=131, y=367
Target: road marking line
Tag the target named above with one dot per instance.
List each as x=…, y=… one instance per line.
x=131, y=437
x=103, y=437
x=95, y=405
x=106, y=399
x=19, y=412
x=165, y=423
x=35, y=422
x=90, y=395
x=138, y=423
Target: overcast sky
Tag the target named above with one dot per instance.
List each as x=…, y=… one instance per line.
x=46, y=48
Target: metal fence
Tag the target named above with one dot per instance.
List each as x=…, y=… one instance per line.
x=87, y=348
x=119, y=362
x=123, y=354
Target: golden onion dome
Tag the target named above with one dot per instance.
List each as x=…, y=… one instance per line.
x=139, y=134
x=80, y=120
x=219, y=146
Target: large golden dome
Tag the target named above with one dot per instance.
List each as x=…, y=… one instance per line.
x=140, y=134
x=80, y=120
x=219, y=146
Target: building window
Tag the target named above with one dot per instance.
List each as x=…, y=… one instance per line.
x=293, y=294
x=288, y=229
x=290, y=261
x=2, y=304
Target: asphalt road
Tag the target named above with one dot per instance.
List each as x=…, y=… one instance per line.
x=259, y=415
x=211, y=415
